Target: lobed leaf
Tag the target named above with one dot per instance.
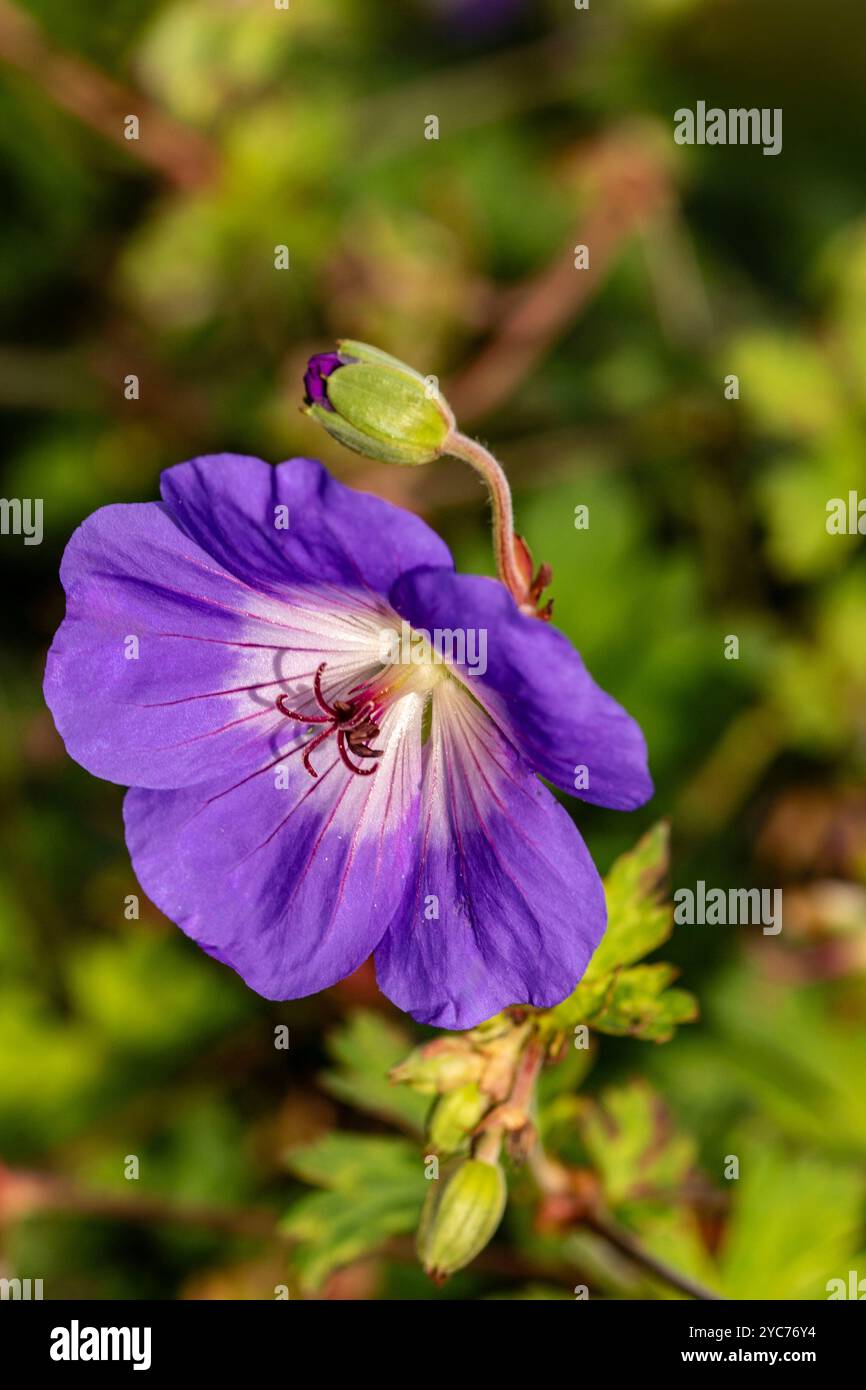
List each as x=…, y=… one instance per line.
x=365, y=1049
x=375, y=1189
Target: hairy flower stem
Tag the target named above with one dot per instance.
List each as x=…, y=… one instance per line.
x=488, y=1147
x=508, y=566
x=526, y=1075
x=511, y=1119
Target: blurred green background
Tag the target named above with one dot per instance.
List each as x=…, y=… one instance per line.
x=604, y=387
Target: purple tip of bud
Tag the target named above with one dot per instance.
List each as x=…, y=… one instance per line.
x=319, y=368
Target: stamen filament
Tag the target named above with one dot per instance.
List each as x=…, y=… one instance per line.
x=353, y=724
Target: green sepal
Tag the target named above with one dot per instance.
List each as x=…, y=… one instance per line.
x=389, y=408
x=360, y=443
x=363, y=352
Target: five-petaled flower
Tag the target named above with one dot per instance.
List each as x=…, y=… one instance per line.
x=295, y=804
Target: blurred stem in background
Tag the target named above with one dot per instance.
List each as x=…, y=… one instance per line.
x=181, y=155
x=24, y=1195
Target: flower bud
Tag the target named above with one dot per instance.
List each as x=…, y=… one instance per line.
x=455, y=1116
x=460, y=1216
x=376, y=405
x=439, y=1066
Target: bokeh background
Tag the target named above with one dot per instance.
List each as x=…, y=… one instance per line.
x=603, y=387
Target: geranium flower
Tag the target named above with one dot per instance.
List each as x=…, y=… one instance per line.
x=302, y=795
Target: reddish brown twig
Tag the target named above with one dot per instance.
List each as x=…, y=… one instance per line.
x=630, y=186
x=179, y=154
x=24, y=1194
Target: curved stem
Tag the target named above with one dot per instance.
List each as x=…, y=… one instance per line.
x=555, y=1180
x=627, y=1244
x=488, y=1147
x=526, y=1075
x=481, y=459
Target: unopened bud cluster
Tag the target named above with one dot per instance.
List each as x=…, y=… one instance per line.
x=472, y=1076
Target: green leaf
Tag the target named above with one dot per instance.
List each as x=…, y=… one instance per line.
x=638, y=920
x=633, y=1146
x=59, y=1066
x=635, y=1001
x=336, y=1231
x=791, y=494
x=793, y=386
x=644, y=1164
x=365, y=1049
x=585, y=1000
x=375, y=1189
x=115, y=981
x=639, y=1005
x=784, y=1052
x=795, y=1223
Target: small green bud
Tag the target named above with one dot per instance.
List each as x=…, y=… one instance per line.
x=455, y=1116
x=376, y=405
x=460, y=1217
x=439, y=1066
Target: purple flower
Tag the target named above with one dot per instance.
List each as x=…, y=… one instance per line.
x=301, y=794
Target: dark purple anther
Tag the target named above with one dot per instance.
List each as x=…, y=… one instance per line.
x=319, y=368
